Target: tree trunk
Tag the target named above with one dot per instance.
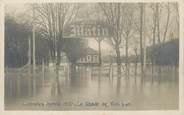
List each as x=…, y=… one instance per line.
x=99, y=49
x=99, y=79
x=118, y=59
x=136, y=60
x=167, y=23
x=58, y=89
x=126, y=63
x=159, y=74
x=59, y=49
x=141, y=36
x=158, y=22
x=74, y=77
x=57, y=59
x=118, y=79
x=153, y=46
x=176, y=72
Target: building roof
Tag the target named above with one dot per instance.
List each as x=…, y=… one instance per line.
x=91, y=51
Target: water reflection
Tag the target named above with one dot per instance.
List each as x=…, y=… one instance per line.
x=100, y=83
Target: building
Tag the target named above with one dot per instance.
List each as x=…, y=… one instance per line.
x=91, y=57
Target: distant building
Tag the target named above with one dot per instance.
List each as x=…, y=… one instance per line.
x=91, y=57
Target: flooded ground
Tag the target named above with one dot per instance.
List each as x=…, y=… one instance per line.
x=92, y=88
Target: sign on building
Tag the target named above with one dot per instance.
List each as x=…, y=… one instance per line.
x=80, y=30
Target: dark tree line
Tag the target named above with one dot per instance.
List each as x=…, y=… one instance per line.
x=166, y=53
x=16, y=42
x=17, y=36
x=16, y=45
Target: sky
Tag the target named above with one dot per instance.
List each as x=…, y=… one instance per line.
x=105, y=47
x=12, y=8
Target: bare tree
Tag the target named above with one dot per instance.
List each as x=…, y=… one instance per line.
x=141, y=5
x=52, y=17
x=153, y=7
x=177, y=14
x=161, y=29
x=98, y=39
x=167, y=22
x=162, y=24
x=128, y=30
x=51, y=20
x=113, y=14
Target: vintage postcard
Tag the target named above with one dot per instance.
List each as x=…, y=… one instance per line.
x=108, y=56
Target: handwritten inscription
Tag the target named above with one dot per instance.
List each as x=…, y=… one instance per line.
x=122, y=104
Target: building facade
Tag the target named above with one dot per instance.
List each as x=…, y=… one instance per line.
x=91, y=57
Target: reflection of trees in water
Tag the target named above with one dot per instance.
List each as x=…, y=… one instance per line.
x=56, y=89
x=20, y=83
x=162, y=74
x=118, y=79
x=99, y=79
x=73, y=75
x=78, y=76
x=21, y=86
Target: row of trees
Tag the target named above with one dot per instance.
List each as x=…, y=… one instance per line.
x=135, y=25
x=19, y=45
x=130, y=22
x=17, y=37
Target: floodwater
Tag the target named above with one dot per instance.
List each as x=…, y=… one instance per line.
x=92, y=88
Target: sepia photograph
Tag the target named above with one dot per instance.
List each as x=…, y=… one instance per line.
x=76, y=56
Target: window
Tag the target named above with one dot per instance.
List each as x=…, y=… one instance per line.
x=89, y=58
x=96, y=58
x=85, y=59
x=92, y=58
